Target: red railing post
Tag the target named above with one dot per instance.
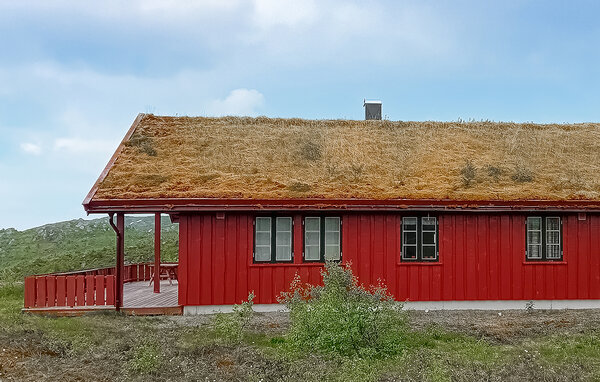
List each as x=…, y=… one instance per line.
x=40, y=290
x=100, y=298
x=71, y=290
x=30, y=292
x=80, y=290
x=157, y=253
x=110, y=290
x=90, y=290
x=61, y=291
x=51, y=290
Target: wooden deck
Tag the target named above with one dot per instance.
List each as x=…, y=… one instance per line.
x=138, y=299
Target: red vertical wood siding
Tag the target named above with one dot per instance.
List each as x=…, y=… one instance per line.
x=482, y=257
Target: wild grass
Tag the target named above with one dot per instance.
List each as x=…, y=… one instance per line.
x=115, y=347
x=267, y=158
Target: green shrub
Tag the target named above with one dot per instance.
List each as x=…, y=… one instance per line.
x=468, y=173
x=145, y=359
x=230, y=327
x=344, y=317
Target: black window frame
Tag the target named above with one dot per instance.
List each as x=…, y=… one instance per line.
x=273, y=259
x=544, y=243
x=419, y=244
x=321, y=238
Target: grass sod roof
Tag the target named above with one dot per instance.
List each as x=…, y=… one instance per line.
x=264, y=158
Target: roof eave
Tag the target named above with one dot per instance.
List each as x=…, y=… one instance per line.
x=198, y=204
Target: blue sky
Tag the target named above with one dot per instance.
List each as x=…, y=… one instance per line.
x=74, y=74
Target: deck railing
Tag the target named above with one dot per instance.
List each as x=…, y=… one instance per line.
x=91, y=287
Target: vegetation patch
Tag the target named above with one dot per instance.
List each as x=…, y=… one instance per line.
x=150, y=180
x=299, y=187
x=468, y=172
x=230, y=327
x=522, y=174
x=143, y=144
x=494, y=172
x=344, y=317
x=310, y=151
x=145, y=358
x=357, y=159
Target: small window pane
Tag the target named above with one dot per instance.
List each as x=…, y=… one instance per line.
x=262, y=253
x=429, y=252
x=263, y=224
x=283, y=253
x=312, y=224
x=534, y=223
x=284, y=224
x=312, y=238
x=428, y=224
x=553, y=237
x=332, y=238
x=534, y=237
x=409, y=224
x=428, y=237
x=534, y=251
x=552, y=224
x=332, y=224
x=284, y=238
x=263, y=238
x=553, y=251
x=312, y=253
x=410, y=238
x=410, y=252
x=332, y=252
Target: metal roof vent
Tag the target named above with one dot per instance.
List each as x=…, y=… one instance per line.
x=372, y=109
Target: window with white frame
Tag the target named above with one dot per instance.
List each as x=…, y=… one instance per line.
x=544, y=238
x=322, y=238
x=419, y=238
x=273, y=239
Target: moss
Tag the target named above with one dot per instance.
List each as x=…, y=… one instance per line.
x=356, y=159
x=299, y=187
x=142, y=143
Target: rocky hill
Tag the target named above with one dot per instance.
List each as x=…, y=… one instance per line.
x=80, y=244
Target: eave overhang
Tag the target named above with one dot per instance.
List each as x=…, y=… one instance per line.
x=205, y=205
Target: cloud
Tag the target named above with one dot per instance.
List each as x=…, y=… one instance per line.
x=288, y=13
x=31, y=148
x=238, y=102
x=79, y=145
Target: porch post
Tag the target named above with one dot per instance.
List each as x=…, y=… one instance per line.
x=120, y=260
x=157, y=252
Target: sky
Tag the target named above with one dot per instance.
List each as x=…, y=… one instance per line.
x=74, y=74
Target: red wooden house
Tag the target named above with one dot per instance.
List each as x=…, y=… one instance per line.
x=475, y=215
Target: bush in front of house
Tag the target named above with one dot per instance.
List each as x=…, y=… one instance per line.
x=344, y=317
x=231, y=326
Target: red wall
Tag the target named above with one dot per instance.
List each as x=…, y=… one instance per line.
x=481, y=258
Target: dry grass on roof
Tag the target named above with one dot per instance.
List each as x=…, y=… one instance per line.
x=255, y=158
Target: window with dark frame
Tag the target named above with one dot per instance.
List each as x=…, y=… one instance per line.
x=544, y=238
x=322, y=238
x=419, y=239
x=273, y=239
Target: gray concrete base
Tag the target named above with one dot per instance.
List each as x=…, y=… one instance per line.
x=426, y=305
x=502, y=304
x=212, y=309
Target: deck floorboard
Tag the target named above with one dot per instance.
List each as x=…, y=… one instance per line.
x=140, y=295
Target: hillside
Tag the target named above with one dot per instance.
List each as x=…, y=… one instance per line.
x=80, y=244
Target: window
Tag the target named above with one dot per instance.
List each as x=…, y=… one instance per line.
x=419, y=238
x=322, y=238
x=273, y=239
x=544, y=238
